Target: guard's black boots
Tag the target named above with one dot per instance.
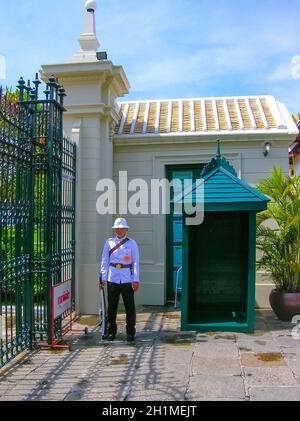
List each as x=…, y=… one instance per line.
x=109, y=337
x=130, y=338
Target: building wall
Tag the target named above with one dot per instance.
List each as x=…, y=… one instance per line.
x=94, y=162
x=149, y=161
x=297, y=165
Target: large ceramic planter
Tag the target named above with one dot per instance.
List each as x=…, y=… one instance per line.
x=285, y=305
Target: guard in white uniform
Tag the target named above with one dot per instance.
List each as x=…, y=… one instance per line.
x=119, y=270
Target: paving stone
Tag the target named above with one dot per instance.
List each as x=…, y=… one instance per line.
x=279, y=332
x=3, y=391
x=288, y=342
x=219, y=366
x=100, y=398
x=263, y=360
x=218, y=400
x=263, y=335
x=292, y=358
x=216, y=387
x=12, y=397
x=216, y=350
x=274, y=394
x=277, y=376
x=13, y=378
x=164, y=364
x=258, y=345
x=151, y=397
x=294, y=365
x=50, y=398
x=160, y=392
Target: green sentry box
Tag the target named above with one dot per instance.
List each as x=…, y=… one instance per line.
x=219, y=256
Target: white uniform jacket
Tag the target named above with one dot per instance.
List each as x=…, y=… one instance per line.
x=127, y=254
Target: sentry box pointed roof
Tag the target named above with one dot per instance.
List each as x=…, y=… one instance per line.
x=223, y=190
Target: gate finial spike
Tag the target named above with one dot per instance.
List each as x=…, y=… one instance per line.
x=21, y=87
x=47, y=92
x=36, y=83
x=61, y=95
x=28, y=88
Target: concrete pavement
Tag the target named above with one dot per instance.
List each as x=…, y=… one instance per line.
x=163, y=364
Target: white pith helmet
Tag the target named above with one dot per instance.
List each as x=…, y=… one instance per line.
x=120, y=223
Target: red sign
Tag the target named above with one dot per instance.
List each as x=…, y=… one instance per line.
x=61, y=299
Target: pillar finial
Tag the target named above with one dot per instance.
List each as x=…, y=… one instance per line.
x=90, y=5
x=88, y=40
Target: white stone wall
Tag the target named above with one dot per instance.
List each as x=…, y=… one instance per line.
x=94, y=161
x=149, y=161
x=91, y=87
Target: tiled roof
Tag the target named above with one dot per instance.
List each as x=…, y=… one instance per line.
x=206, y=115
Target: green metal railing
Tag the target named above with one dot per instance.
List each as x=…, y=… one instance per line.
x=37, y=214
x=15, y=219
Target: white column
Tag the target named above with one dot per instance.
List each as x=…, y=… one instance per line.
x=88, y=40
x=90, y=100
x=92, y=87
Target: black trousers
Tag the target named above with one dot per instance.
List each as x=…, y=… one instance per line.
x=113, y=293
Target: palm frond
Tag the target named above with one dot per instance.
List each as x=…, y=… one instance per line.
x=281, y=245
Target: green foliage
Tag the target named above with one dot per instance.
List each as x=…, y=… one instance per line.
x=8, y=255
x=281, y=245
x=8, y=243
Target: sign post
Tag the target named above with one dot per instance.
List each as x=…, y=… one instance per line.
x=61, y=305
x=61, y=299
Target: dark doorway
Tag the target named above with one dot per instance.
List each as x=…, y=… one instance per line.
x=218, y=269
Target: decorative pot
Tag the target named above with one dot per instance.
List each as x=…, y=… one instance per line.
x=285, y=305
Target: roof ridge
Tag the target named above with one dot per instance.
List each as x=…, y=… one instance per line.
x=141, y=101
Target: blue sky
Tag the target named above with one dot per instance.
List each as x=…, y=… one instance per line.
x=169, y=48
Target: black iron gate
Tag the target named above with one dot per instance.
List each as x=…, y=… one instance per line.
x=37, y=214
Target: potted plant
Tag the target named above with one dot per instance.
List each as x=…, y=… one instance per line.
x=278, y=238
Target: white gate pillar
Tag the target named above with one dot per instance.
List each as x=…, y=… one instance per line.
x=92, y=87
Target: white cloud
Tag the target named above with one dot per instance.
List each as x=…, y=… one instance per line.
x=201, y=66
x=296, y=67
x=168, y=72
x=282, y=72
x=289, y=94
x=160, y=46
